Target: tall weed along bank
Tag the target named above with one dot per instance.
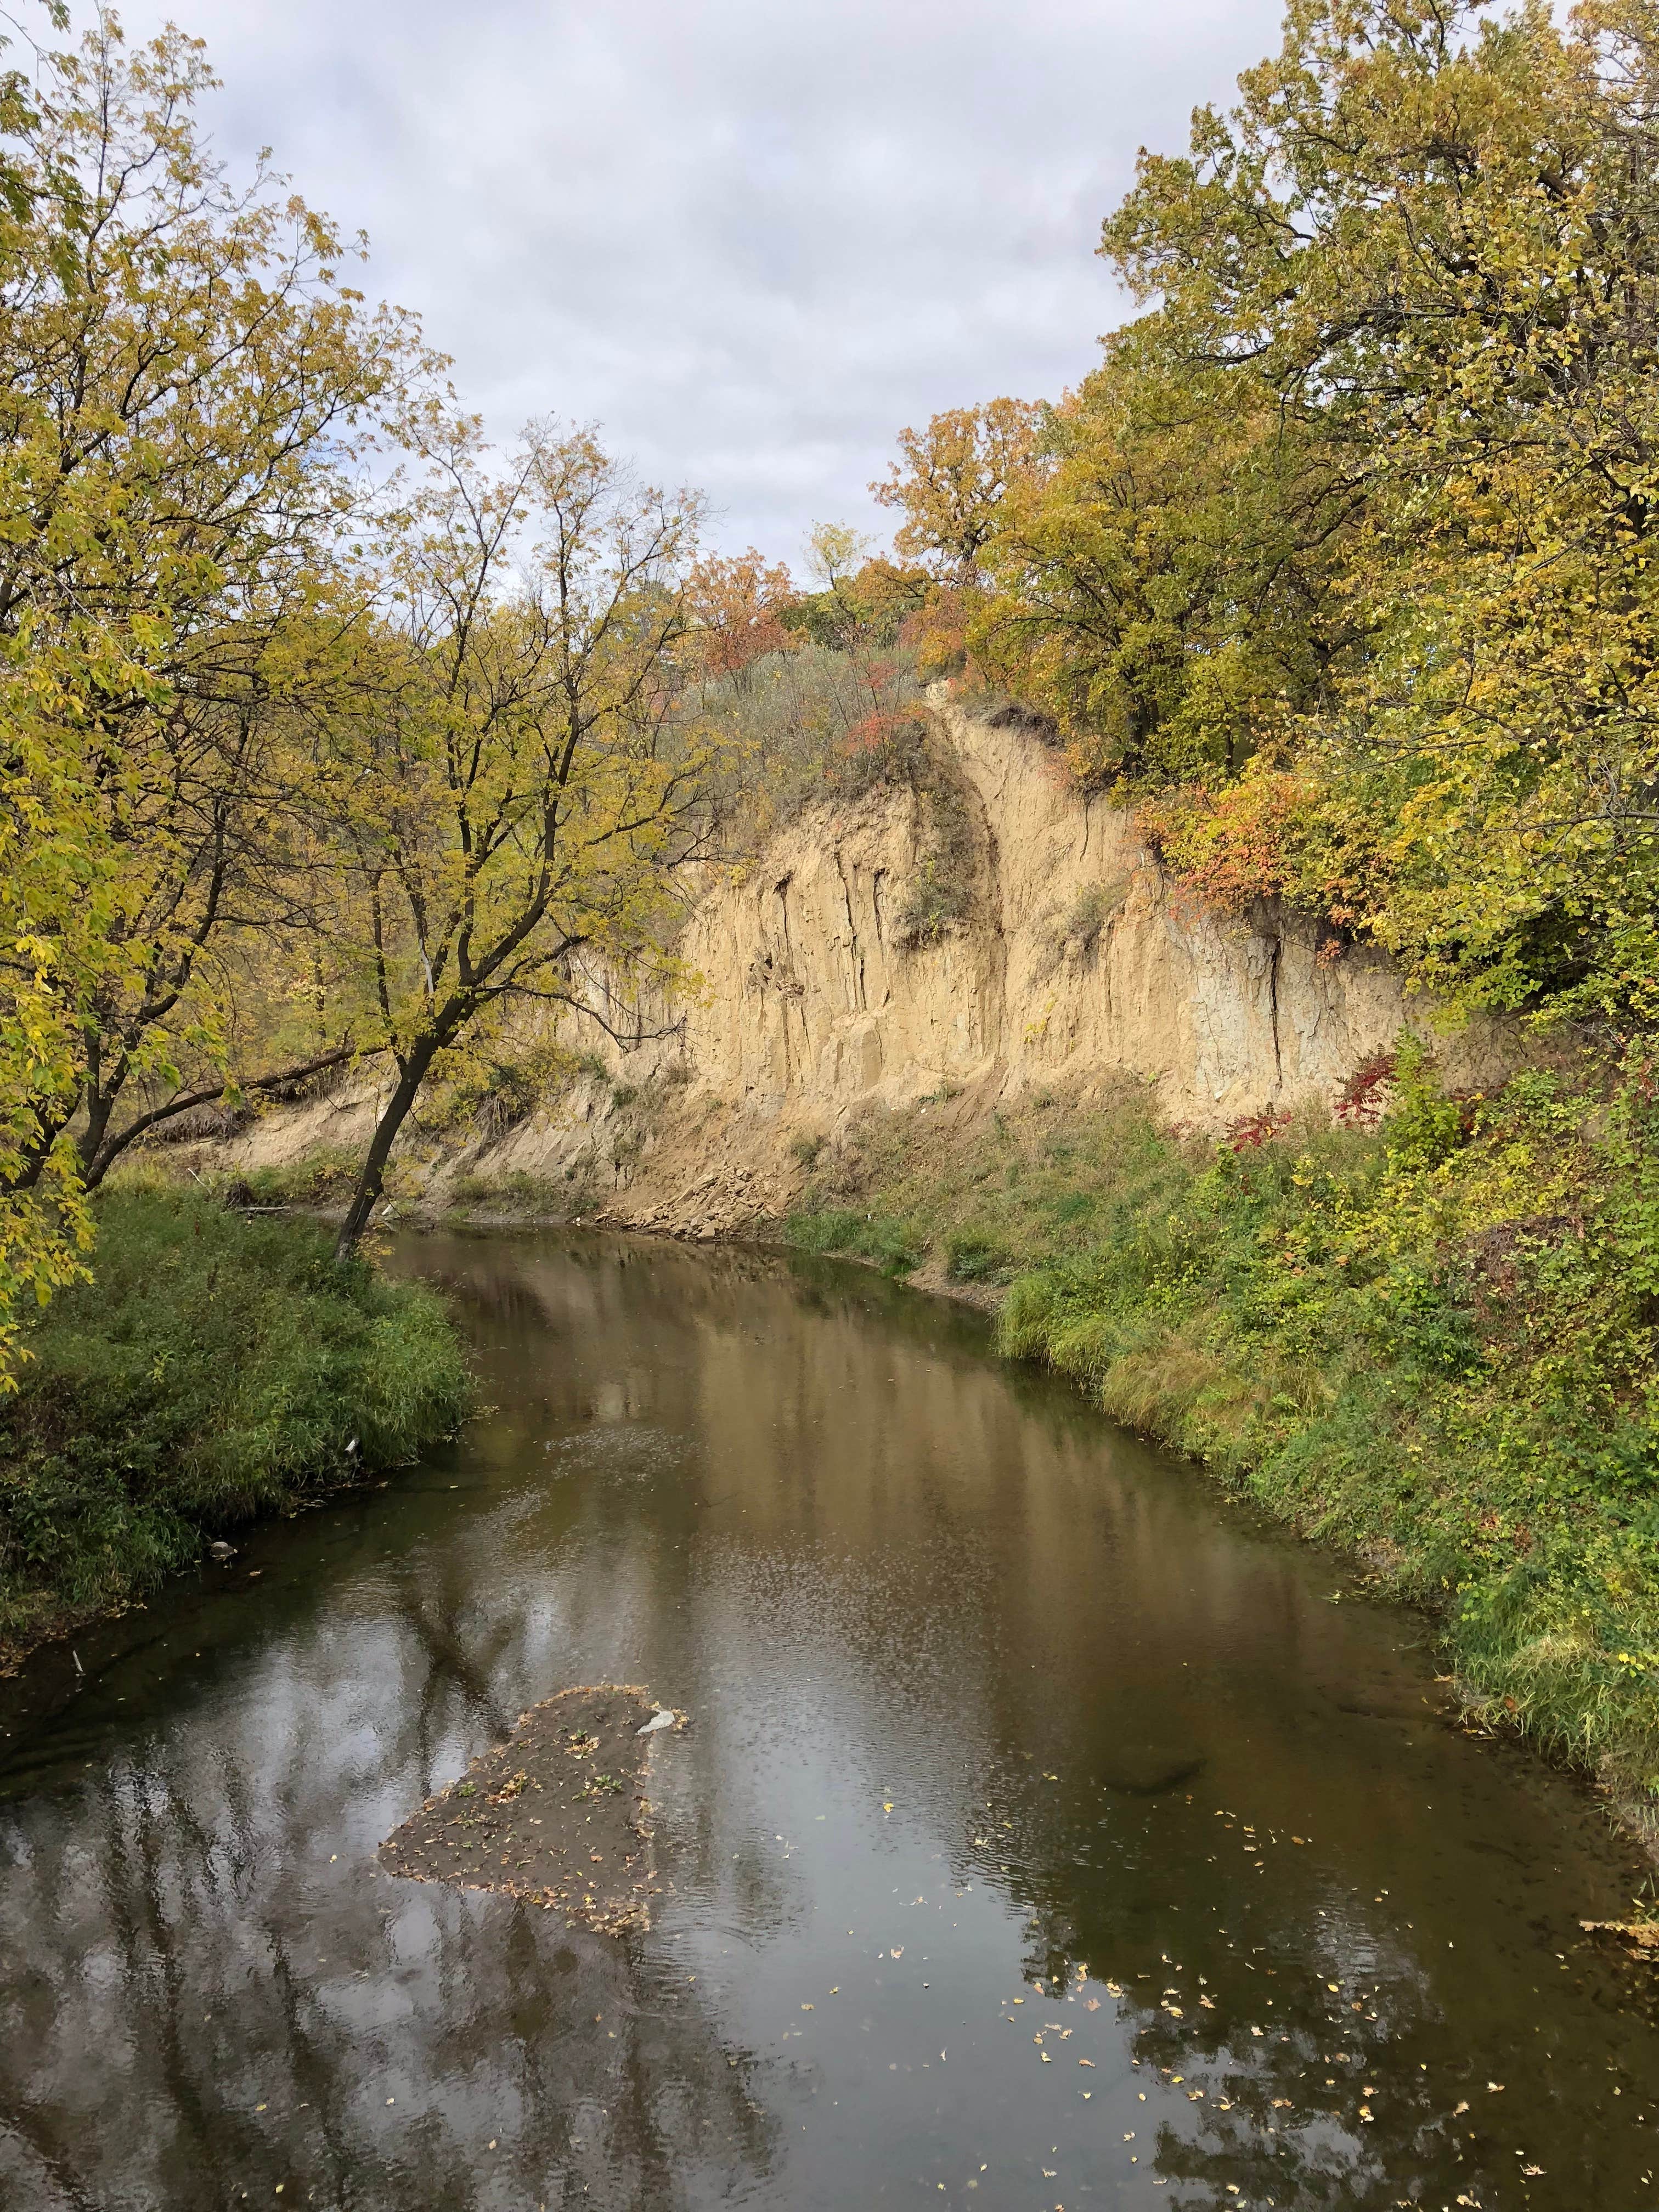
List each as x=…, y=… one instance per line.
x=1426, y=1333
x=216, y=1367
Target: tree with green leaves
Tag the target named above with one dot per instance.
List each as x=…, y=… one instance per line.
x=1165, y=588
x=184, y=393
x=182, y=377
x=1428, y=238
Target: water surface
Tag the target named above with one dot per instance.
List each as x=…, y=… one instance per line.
x=1046, y=1835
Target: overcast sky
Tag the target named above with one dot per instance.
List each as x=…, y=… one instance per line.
x=752, y=238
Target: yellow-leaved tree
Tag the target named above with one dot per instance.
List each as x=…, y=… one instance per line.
x=182, y=374
x=511, y=798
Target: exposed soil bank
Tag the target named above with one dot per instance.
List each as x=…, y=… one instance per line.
x=1072, y=962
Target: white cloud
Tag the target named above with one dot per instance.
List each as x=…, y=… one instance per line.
x=752, y=238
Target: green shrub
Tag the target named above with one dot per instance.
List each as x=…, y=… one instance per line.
x=526, y=1197
x=941, y=896
x=326, y=1176
x=487, y=1098
x=215, y=1368
x=1087, y=916
x=897, y=1248
x=972, y=1256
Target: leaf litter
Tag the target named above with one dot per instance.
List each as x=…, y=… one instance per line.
x=557, y=1816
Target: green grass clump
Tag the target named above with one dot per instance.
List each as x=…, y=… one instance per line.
x=896, y=1248
x=326, y=1176
x=215, y=1368
x=1435, y=1343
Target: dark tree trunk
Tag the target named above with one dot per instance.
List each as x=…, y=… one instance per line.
x=100, y=1105
x=366, y=1195
x=49, y=1126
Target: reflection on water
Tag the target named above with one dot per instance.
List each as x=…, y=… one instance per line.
x=1044, y=1835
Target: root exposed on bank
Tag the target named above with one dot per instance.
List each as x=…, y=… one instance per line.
x=557, y=1816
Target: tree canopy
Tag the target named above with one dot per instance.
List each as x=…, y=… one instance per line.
x=326, y=734
x=1339, y=565
x=511, y=797
x=182, y=374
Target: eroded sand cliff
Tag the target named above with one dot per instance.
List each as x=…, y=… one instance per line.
x=1077, y=965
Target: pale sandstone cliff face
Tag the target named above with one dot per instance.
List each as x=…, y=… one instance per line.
x=1077, y=966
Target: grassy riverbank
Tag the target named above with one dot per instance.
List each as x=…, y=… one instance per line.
x=216, y=1368
x=1432, y=1342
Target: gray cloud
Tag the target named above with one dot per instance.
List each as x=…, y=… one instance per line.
x=751, y=239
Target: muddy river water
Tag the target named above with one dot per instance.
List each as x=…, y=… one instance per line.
x=1045, y=1835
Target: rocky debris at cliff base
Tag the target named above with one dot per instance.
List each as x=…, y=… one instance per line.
x=557, y=1816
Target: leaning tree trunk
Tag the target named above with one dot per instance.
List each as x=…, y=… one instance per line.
x=412, y=1074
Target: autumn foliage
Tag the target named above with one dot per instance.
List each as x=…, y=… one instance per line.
x=306, y=756
x=735, y=609
x=1340, y=564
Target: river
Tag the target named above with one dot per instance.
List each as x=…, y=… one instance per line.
x=1046, y=1833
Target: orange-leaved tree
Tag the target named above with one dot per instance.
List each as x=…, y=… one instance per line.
x=735, y=606
x=955, y=475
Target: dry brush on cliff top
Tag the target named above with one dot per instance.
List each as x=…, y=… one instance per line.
x=1435, y=1344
